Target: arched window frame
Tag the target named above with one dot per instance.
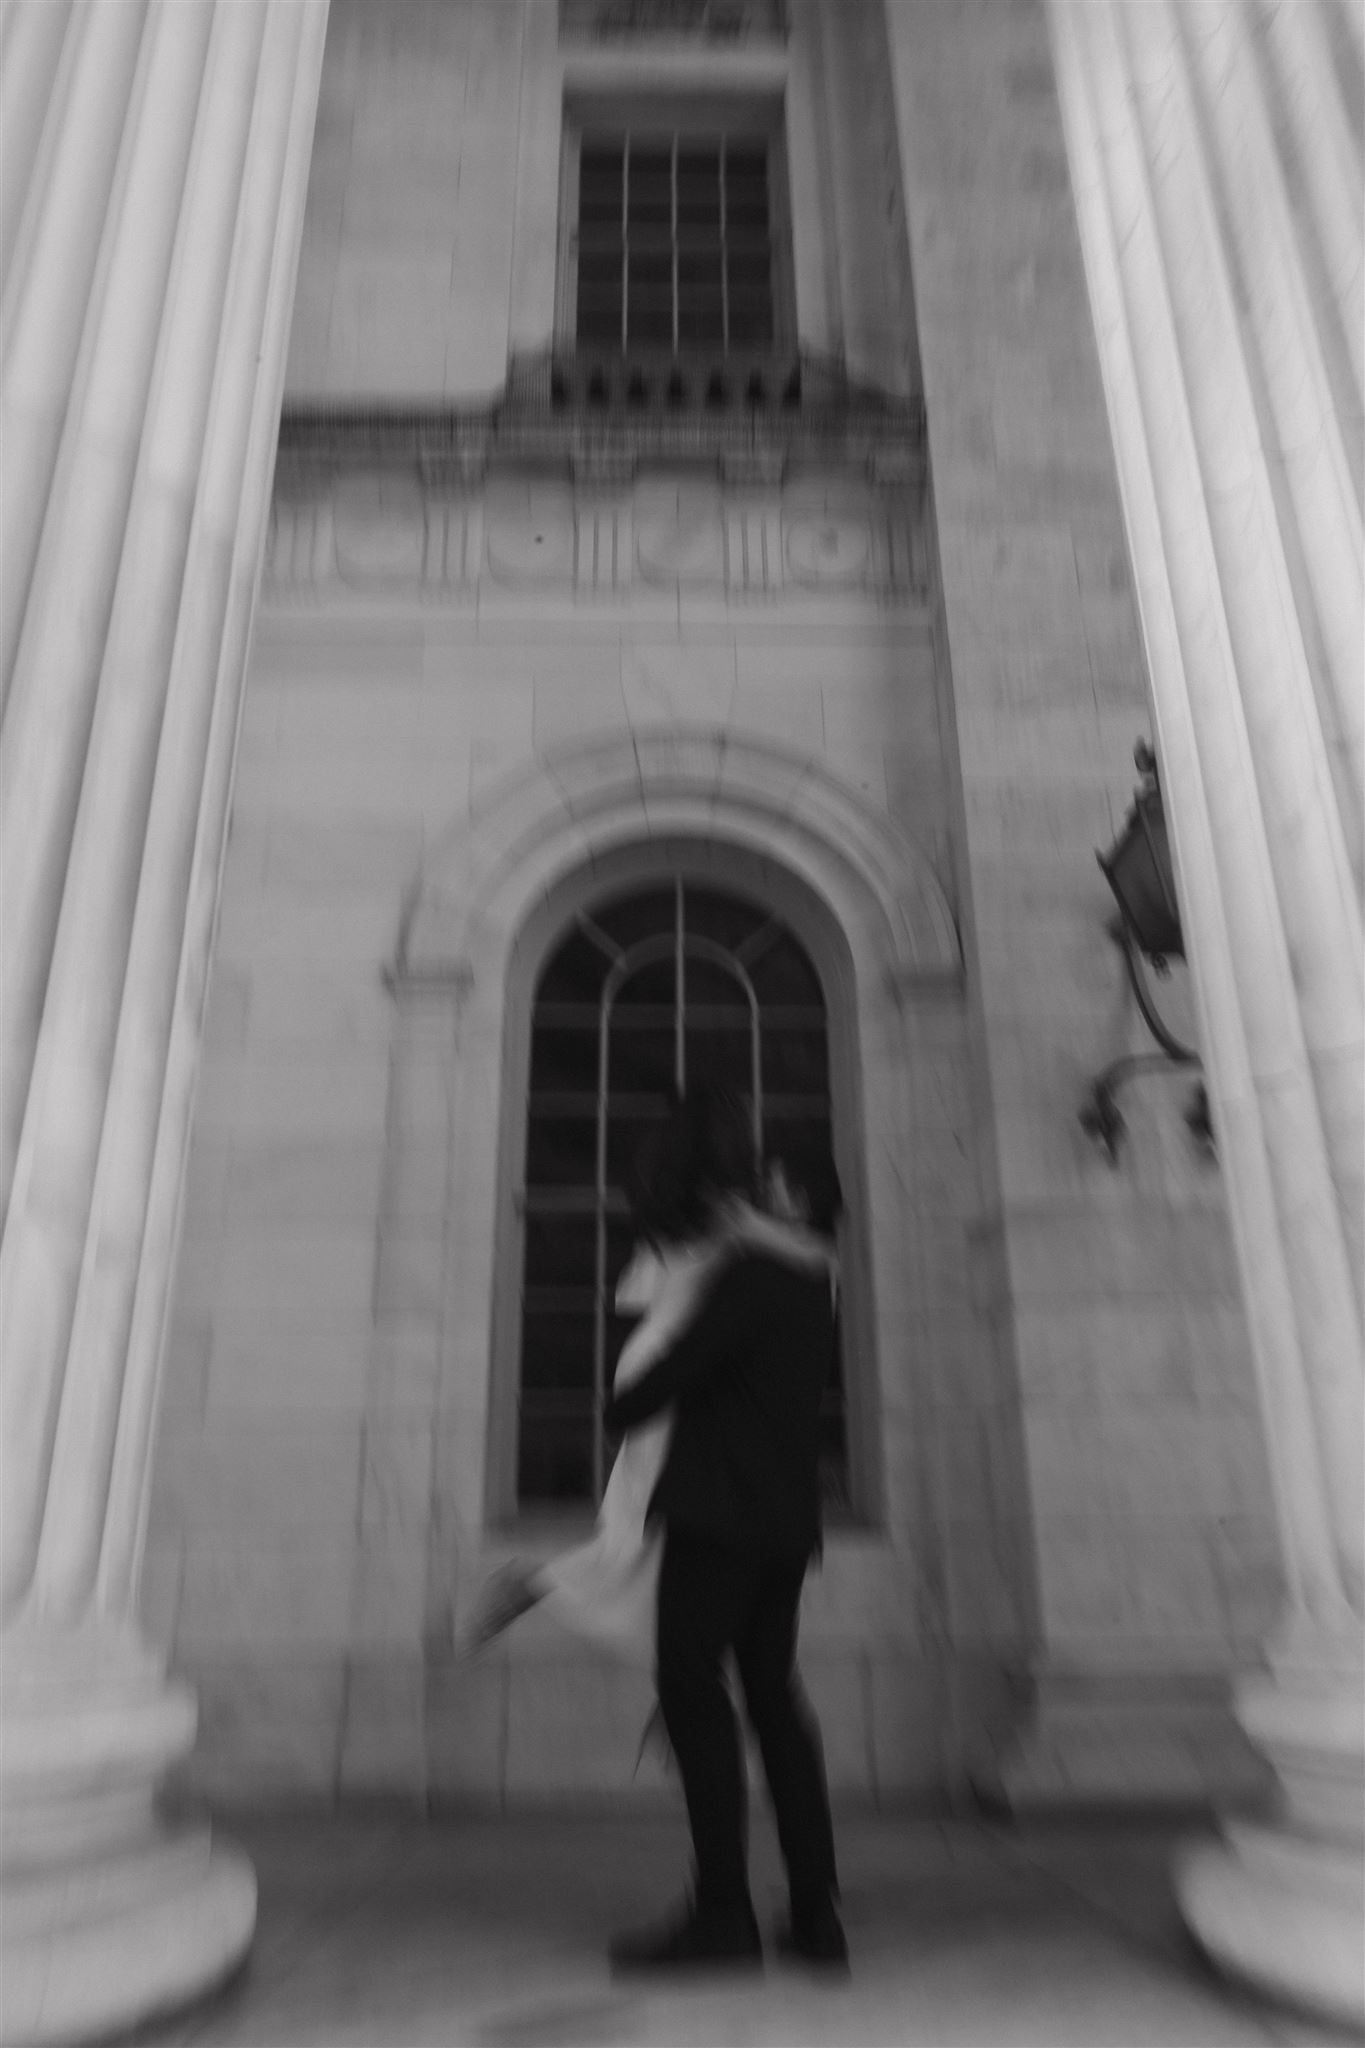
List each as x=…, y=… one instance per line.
x=488, y=890
x=717, y=865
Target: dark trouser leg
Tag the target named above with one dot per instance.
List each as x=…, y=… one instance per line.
x=788, y=1735
x=696, y=1616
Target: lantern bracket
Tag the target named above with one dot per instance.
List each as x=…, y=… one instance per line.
x=1100, y=1115
x=1180, y=1054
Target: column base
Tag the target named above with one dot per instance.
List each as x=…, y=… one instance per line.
x=1282, y=1904
x=1285, y=1916
x=122, y=1941
x=1136, y=1738
x=107, y=1919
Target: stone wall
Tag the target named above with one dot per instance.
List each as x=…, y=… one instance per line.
x=1116, y=1291
x=433, y=211
x=1069, y=1455
x=322, y=1474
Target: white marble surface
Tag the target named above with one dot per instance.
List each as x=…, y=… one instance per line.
x=115, y=759
x=1205, y=307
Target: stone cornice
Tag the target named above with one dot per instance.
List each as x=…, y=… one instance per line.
x=546, y=419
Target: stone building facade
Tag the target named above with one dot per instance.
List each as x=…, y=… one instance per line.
x=1043, y=434
x=492, y=679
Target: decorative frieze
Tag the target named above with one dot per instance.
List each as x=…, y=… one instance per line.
x=383, y=530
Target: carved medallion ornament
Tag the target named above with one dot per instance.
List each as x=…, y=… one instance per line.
x=375, y=532
x=828, y=548
x=548, y=491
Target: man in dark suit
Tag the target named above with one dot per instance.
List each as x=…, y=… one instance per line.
x=739, y=1497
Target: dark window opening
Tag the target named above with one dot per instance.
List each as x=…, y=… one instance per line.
x=649, y=991
x=674, y=245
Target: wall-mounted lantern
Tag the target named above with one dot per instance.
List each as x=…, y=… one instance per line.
x=1138, y=869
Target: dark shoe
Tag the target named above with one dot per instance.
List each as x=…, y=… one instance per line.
x=816, y=1938
x=696, y=1941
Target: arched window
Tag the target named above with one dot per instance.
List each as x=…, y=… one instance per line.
x=670, y=985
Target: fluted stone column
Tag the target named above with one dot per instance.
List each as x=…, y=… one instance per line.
x=1218, y=181
x=155, y=160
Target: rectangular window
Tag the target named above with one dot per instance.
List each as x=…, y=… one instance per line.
x=675, y=248
x=723, y=21
x=676, y=240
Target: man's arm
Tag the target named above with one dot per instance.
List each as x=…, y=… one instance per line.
x=697, y=1356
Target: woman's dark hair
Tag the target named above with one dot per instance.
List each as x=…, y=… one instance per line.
x=702, y=1152
x=810, y=1172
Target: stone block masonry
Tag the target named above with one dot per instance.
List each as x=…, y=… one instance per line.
x=461, y=680
x=341, y=1438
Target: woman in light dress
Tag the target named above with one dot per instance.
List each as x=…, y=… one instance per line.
x=696, y=1210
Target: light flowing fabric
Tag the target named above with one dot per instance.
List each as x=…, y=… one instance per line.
x=607, y=1588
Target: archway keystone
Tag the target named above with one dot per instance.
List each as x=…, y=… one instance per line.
x=576, y=802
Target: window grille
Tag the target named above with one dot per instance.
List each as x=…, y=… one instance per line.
x=667, y=987
x=674, y=244
x=711, y=20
